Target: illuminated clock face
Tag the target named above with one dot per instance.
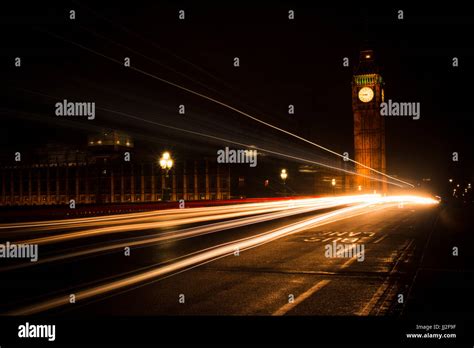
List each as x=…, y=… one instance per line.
x=366, y=94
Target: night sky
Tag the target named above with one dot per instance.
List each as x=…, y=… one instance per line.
x=282, y=62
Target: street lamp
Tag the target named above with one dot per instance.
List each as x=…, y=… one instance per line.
x=360, y=188
x=333, y=184
x=166, y=163
x=284, y=176
x=450, y=180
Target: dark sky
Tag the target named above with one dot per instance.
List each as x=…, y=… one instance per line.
x=282, y=62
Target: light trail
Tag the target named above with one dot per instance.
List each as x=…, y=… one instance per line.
x=261, y=149
x=210, y=254
x=224, y=105
x=226, y=212
x=168, y=236
x=249, y=146
x=143, y=216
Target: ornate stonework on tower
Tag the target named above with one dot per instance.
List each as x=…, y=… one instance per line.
x=369, y=126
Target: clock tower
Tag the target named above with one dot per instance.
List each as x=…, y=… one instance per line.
x=369, y=126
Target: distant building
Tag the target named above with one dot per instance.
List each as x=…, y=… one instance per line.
x=98, y=173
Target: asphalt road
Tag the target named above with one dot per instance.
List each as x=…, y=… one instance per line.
x=408, y=268
x=263, y=280
x=290, y=274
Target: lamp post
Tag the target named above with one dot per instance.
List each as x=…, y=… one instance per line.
x=333, y=184
x=284, y=176
x=166, y=163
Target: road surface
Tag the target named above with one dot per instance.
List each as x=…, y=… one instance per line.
x=260, y=260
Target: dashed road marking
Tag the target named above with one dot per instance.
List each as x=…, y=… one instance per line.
x=348, y=263
x=289, y=306
x=380, y=239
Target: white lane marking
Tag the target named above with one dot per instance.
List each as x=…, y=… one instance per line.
x=380, y=239
x=289, y=306
x=369, y=306
x=348, y=262
x=380, y=291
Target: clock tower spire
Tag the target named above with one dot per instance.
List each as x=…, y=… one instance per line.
x=369, y=126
